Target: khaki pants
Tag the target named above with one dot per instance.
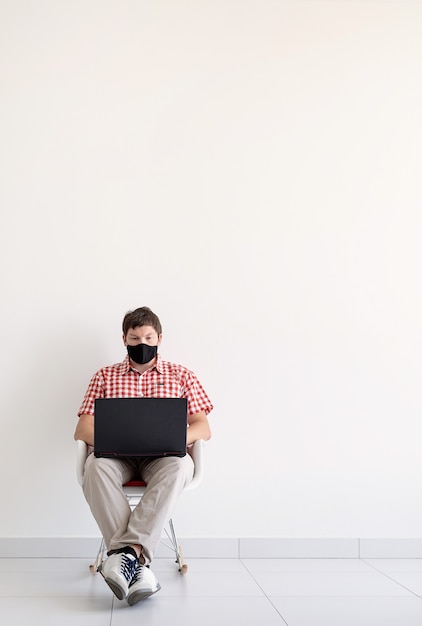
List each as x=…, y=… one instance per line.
x=120, y=526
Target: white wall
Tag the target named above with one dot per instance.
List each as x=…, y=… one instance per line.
x=250, y=169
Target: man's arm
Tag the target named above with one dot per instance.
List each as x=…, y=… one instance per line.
x=199, y=427
x=85, y=429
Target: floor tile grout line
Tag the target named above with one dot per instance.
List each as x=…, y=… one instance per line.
x=111, y=612
x=363, y=561
x=392, y=579
x=266, y=596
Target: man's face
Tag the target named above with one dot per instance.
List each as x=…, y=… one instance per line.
x=142, y=334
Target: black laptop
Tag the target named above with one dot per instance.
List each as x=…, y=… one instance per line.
x=140, y=427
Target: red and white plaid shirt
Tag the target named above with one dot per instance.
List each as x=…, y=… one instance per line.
x=163, y=380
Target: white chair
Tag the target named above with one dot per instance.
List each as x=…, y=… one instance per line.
x=134, y=491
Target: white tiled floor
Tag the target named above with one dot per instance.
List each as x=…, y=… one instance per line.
x=244, y=592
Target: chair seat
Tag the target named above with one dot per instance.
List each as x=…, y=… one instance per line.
x=135, y=483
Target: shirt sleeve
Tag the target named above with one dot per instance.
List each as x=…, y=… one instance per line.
x=196, y=396
x=95, y=390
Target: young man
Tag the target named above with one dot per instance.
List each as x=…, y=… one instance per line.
x=131, y=537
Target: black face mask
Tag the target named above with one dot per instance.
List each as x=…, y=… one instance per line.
x=142, y=353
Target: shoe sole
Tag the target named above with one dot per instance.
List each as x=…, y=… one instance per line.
x=116, y=589
x=138, y=596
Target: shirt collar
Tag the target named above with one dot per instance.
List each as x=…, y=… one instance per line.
x=159, y=364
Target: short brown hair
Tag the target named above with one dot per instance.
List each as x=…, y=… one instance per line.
x=141, y=317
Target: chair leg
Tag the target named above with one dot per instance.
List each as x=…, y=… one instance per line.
x=183, y=568
x=99, y=559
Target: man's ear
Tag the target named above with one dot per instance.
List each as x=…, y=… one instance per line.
x=159, y=339
x=124, y=340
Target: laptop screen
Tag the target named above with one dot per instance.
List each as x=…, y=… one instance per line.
x=140, y=427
